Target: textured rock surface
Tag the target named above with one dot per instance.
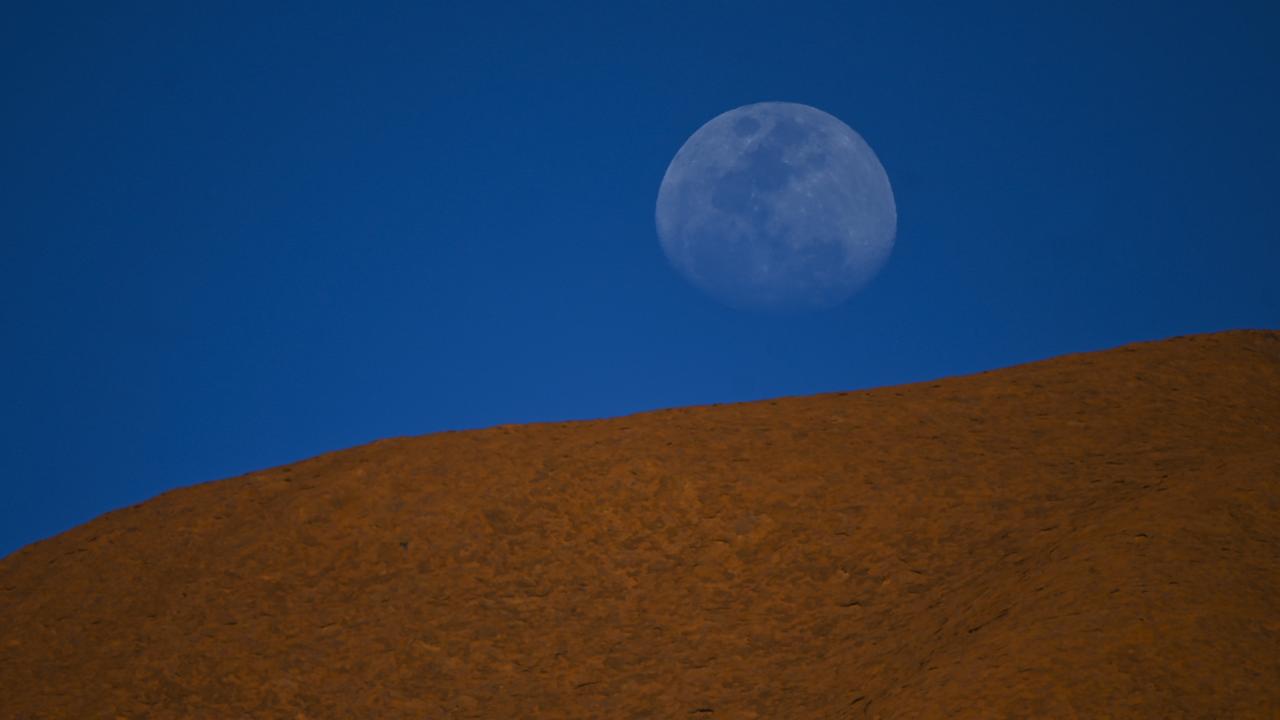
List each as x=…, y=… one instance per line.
x=1094, y=535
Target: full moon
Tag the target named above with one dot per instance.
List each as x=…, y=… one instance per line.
x=776, y=206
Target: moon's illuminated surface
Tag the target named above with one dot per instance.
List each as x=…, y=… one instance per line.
x=776, y=206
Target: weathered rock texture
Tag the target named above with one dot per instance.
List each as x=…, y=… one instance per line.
x=1093, y=536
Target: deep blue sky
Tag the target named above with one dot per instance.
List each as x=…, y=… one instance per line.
x=235, y=235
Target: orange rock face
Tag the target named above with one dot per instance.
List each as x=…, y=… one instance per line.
x=1092, y=536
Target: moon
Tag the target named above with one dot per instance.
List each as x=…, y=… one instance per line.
x=776, y=206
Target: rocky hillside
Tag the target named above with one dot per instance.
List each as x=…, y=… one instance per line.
x=1093, y=535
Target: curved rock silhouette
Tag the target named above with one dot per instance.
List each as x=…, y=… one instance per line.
x=1092, y=535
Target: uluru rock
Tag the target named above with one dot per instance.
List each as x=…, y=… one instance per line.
x=1093, y=535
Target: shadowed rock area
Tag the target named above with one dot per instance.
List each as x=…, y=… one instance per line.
x=1093, y=535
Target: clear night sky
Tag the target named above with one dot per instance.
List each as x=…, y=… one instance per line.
x=241, y=235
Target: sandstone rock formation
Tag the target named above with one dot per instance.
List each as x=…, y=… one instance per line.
x=1095, y=535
